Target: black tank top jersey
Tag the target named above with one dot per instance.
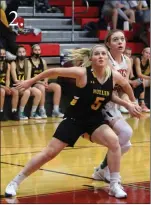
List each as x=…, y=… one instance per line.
x=88, y=101
x=20, y=72
x=145, y=69
x=3, y=72
x=36, y=70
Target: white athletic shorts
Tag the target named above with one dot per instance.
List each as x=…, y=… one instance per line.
x=111, y=111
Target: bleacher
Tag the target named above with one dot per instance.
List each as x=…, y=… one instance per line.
x=56, y=34
x=56, y=29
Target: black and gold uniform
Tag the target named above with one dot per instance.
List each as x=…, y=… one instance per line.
x=3, y=73
x=145, y=69
x=83, y=114
x=35, y=70
x=20, y=71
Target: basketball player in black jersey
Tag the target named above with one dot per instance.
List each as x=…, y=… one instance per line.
x=94, y=87
x=19, y=70
x=141, y=69
x=5, y=88
x=38, y=65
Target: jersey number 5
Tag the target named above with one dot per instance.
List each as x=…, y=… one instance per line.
x=97, y=103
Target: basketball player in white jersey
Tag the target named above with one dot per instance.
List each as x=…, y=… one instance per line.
x=115, y=41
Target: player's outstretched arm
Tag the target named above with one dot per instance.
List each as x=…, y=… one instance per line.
x=79, y=73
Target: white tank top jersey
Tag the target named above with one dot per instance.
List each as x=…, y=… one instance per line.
x=120, y=67
x=111, y=110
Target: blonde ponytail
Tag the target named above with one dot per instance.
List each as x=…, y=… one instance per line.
x=84, y=55
x=81, y=54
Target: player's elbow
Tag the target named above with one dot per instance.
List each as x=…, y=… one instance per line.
x=81, y=78
x=82, y=73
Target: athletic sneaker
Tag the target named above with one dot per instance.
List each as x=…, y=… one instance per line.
x=22, y=116
x=101, y=174
x=145, y=108
x=117, y=191
x=15, y=116
x=123, y=110
x=42, y=113
x=3, y=117
x=11, y=189
x=10, y=56
x=57, y=114
x=35, y=116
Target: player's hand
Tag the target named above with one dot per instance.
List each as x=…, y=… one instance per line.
x=23, y=84
x=134, y=110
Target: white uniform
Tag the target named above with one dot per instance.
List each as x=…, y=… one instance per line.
x=111, y=110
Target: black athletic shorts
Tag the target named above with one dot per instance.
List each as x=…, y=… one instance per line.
x=69, y=130
x=138, y=90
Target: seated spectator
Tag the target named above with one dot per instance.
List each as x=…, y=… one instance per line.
x=142, y=10
x=5, y=88
x=38, y=65
x=142, y=70
x=110, y=12
x=19, y=72
x=114, y=8
x=136, y=83
x=130, y=13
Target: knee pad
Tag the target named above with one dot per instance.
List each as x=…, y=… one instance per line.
x=123, y=130
x=126, y=147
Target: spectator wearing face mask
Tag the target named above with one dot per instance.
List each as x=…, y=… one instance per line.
x=19, y=73
x=38, y=65
x=5, y=88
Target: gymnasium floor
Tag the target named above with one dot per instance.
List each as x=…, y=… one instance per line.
x=67, y=178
